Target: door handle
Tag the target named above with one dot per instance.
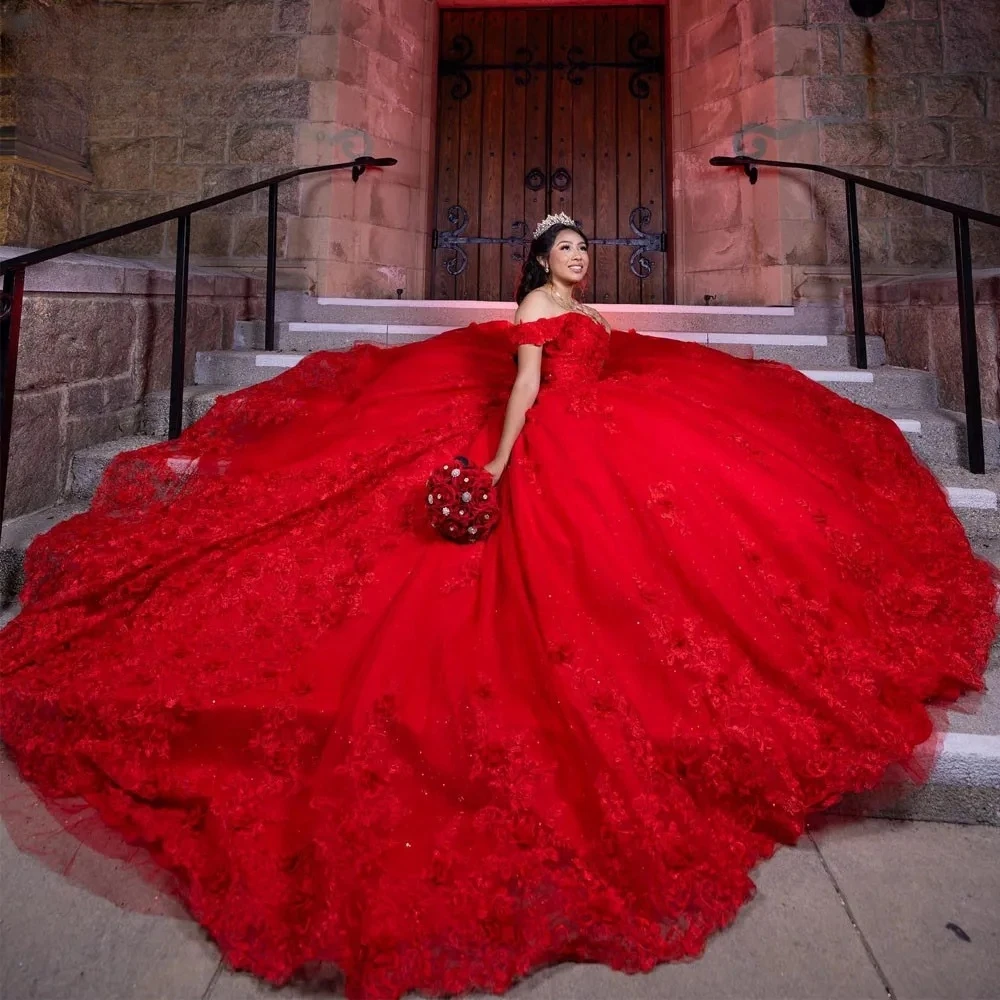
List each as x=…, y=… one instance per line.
x=534, y=179
x=561, y=179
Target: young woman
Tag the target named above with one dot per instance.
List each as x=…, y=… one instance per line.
x=718, y=598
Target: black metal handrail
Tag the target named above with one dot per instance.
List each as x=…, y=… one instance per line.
x=961, y=216
x=12, y=271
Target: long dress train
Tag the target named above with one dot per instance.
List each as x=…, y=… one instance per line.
x=719, y=597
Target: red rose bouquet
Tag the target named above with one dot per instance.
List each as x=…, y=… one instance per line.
x=461, y=502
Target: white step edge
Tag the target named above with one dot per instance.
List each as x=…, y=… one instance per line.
x=739, y=339
x=277, y=360
x=769, y=339
x=685, y=336
x=831, y=375
x=977, y=744
x=416, y=330
x=909, y=426
x=511, y=306
x=966, y=758
x=404, y=330
x=314, y=327
x=417, y=304
x=971, y=499
x=184, y=464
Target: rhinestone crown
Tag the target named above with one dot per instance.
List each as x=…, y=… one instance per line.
x=562, y=219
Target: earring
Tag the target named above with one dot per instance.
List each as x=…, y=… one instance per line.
x=546, y=266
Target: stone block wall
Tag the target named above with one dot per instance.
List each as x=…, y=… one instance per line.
x=910, y=97
x=187, y=99
x=95, y=339
x=918, y=317
x=43, y=126
x=913, y=99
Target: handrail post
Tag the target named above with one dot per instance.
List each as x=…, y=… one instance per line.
x=970, y=348
x=272, y=265
x=857, y=289
x=180, y=327
x=10, y=331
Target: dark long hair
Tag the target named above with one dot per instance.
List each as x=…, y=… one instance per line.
x=534, y=275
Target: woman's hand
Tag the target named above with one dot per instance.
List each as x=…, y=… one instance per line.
x=495, y=469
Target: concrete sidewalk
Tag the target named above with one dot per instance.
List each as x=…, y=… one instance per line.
x=866, y=909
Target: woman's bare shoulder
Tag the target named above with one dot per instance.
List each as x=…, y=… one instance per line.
x=536, y=305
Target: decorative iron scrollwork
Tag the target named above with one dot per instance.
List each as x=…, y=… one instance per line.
x=455, y=64
x=576, y=65
x=644, y=62
x=519, y=241
x=561, y=179
x=523, y=64
x=456, y=240
x=453, y=240
x=645, y=243
x=534, y=179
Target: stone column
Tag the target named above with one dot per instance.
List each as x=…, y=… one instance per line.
x=370, y=68
x=737, y=87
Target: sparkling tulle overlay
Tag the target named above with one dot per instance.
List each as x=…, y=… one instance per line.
x=719, y=597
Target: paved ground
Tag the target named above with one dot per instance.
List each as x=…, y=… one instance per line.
x=868, y=909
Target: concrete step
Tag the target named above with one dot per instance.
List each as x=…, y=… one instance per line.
x=799, y=350
x=198, y=400
x=974, y=498
x=837, y=352
x=879, y=387
x=17, y=534
x=894, y=387
x=236, y=369
x=963, y=787
x=88, y=465
x=938, y=436
x=815, y=319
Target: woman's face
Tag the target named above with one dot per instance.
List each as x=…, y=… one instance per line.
x=569, y=259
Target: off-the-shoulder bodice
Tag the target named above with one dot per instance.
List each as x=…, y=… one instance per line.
x=575, y=346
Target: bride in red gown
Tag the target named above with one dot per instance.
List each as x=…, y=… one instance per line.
x=718, y=598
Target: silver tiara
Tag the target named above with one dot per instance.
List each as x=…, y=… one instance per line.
x=562, y=219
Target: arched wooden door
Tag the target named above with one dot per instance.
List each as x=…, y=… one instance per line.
x=544, y=111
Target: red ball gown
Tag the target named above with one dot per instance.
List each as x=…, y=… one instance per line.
x=718, y=598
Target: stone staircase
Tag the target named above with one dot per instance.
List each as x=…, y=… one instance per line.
x=965, y=785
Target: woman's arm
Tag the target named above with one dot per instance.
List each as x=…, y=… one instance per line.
x=522, y=398
x=537, y=305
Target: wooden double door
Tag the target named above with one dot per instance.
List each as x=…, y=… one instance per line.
x=551, y=110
